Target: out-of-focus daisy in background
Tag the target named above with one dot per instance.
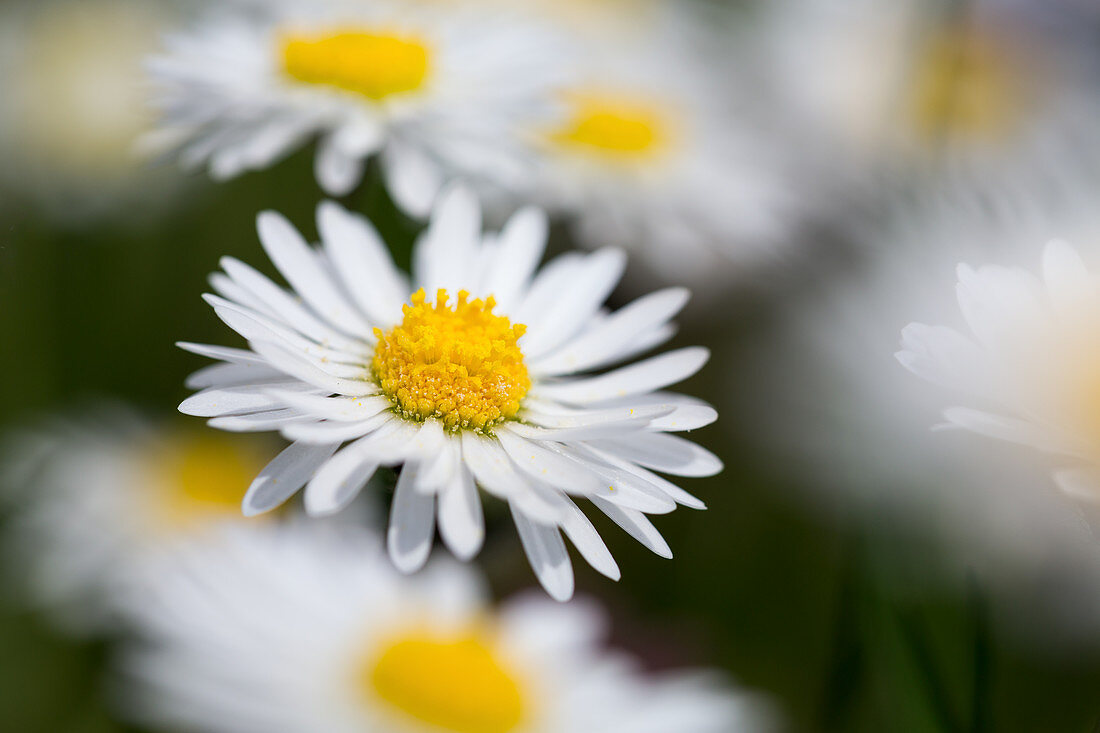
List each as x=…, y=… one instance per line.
x=483, y=376
x=73, y=106
x=974, y=90
x=1029, y=357
x=91, y=496
x=658, y=151
x=426, y=88
x=853, y=426
x=288, y=629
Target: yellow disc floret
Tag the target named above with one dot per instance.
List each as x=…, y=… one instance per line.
x=612, y=126
x=374, y=64
x=462, y=365
x=450, y=682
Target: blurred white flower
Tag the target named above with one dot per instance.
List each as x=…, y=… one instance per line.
x=427, y=88
x=830, y=404
x=91, y=496
x=73, y=106
x=492, y=388
x=1032, y=360
x=287, y=629
x=658, y=150
x=972, y=90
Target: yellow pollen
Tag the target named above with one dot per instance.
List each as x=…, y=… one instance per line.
x=462, y=365
x=611, y=126
x=202, y=478
x=368, y=62
x=454, y=683
x=966, y=85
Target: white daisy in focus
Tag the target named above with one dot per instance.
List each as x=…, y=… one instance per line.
x=91, y=497
x=478, y=373
x=1031, y=359
x=425, y=88
x=653, y=152
x=292, y=630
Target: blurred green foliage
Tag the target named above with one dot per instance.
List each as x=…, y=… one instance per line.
x=816, y=612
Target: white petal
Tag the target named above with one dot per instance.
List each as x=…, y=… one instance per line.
x=548, y=556
x=298, y=263
x=521, y=244
x=645, y=376
x=337, y=171
x=637, y=526
x=363, y=262
x=298, y=364
x=448, y=249
x=496, y=473
x=338, y=482
x=1068, y=281
x=257, y=421
x=322, y=433
x=412, y=523
x=231, y=375
x=336, y=409
x=586, y=539
x=285, y=308
x=413, y=180
x=615, y=333
x=1079, y=483
x=944, y=356
x=577, y=304
x=235, y=400
x=461, y=523
x=547, y=466
x=225, y=353
x=665, y=453
x=1010, y=429
x=283, y=476
x=673, y=491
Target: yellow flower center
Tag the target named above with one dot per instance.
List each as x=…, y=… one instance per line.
x=612, y=126
x=374, y=64
x=966, y=85
x=461, y=365
x=202, y=478
x=455, y=683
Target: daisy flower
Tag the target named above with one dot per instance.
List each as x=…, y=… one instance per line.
x=423, y=87
x=287, y=629
x=824, y=400
x=652, y=153
x=89, y=497
x=1031, y=361
x=477, y=373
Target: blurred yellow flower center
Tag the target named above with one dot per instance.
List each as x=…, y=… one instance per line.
x=453, y=683
x=203, y=478
x=618, y=127
x=462, y=365
x=374, y=64
x=965, y=85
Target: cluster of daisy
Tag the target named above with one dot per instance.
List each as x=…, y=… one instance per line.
x=482, y=375
x=611, y=117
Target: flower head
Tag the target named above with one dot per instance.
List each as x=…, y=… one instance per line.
x=426, y=88
x=493, y=389
x=287, y=629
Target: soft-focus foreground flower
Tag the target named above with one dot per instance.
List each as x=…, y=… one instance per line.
x=820, y=392
x=287, y=629
x=425, y=86
x=91, y=497
x=657, y=150
x=1031, y=361
x=481, y=377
